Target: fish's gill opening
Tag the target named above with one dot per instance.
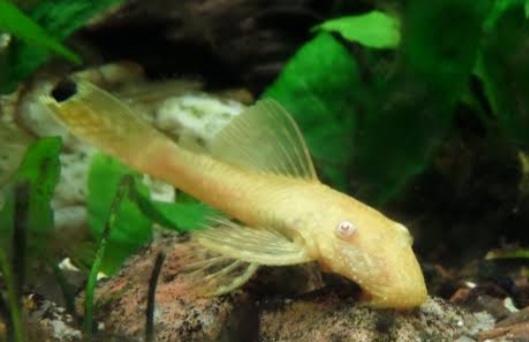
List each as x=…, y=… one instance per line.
x=64, y=90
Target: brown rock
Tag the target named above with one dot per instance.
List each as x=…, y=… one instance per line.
x=255, y=314
x=331, y=318
x=178, y=315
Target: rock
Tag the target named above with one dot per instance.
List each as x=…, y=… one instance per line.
x=513, y=328
x=47, y=321
x=331, y=318
x=178, y=315
x=254, y=313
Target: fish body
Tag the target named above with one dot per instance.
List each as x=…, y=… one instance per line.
x=257, y=171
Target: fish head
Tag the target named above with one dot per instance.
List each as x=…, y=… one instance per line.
x=375, y=252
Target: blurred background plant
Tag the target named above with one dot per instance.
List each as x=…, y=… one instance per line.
x=417, y=107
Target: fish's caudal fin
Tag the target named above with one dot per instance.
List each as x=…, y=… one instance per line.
x=265, y=138
x=103, y=120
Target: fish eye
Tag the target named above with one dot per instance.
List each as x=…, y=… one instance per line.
x=64, y=90
x=346, y=229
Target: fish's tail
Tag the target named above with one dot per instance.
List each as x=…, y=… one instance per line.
x=106, y=122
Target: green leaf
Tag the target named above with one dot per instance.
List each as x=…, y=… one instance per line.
x=319, y=86
x=63, y=17
x=179, y=216
x=13, y=298
x=374, y=29
x=415, y=105
x=12, y=20
x=60, y=18
x=132, y=229
x=500, y=7
x=123, y=189
x=503, y=68
x=40, y=169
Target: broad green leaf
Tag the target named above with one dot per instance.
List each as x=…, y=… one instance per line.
x=503, y=68
x=60, y=18
x=500, y=7
x=374, y=29
x=415, y=105
x=319, y=86
x=12, y=20
x=132, y=229
x=185, y=214
x=179, y=216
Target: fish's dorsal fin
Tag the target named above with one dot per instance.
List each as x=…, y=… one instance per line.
x=252, y=245
x=265, y=138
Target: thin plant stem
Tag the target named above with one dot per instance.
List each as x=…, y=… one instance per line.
x=15, y=282
x=20, y=231
x=6, y=318
x=123, y=188
x=153, y=282
x=12, y=298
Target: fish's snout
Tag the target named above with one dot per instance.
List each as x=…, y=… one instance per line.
x=400, y=284
x=404, y=289
x=390, y=277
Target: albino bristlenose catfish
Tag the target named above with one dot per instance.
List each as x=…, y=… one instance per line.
x=257, y=170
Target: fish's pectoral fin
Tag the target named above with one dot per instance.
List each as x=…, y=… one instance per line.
x=265, y=138
x=254, y=245
x=206, y=273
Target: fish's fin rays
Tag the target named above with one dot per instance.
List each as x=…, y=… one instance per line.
x=104, y=120
x=254, y=245
x=206, y=273
x=265, y=138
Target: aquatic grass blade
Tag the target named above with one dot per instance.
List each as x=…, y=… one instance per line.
x=26, y=219
x=123, y=188
x=14, y=282
x=14, y=21
x=132, y=228
x=59, y=18
x=39, y=169
x=15, y=305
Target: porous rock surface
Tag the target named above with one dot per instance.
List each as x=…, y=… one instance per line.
x=255, y=315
